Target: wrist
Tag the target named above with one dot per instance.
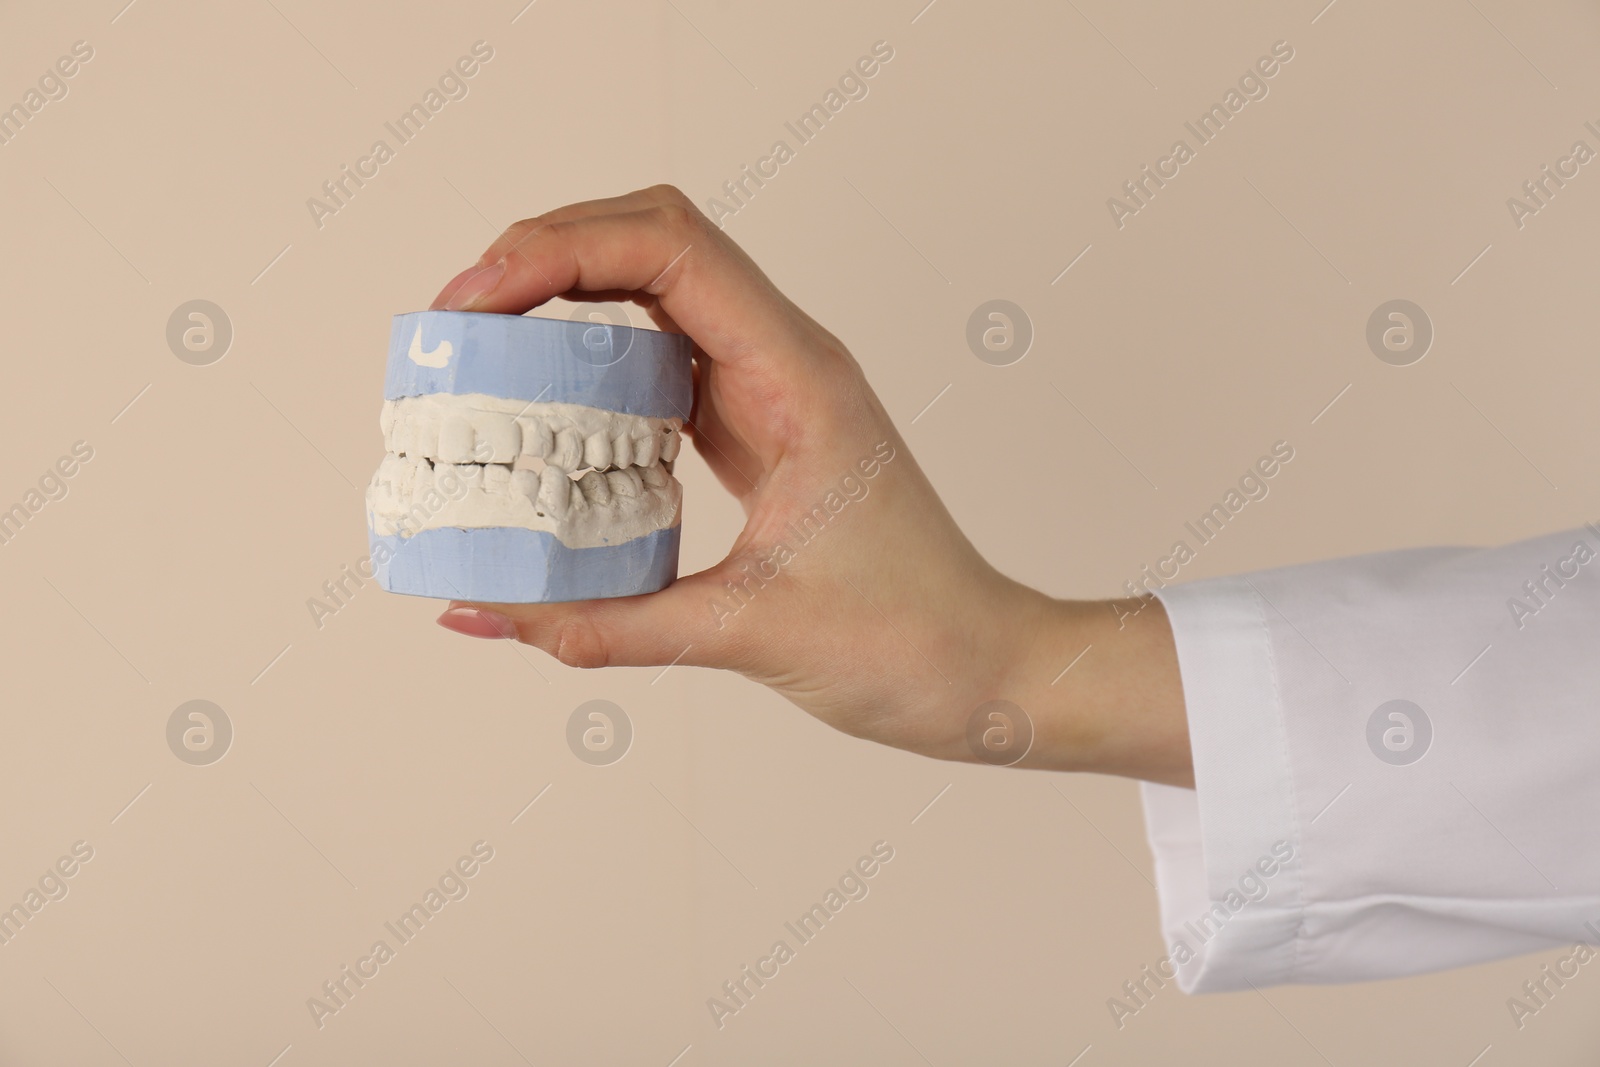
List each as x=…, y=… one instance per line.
x=1096, y=686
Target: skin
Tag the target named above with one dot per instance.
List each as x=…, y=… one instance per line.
x=889, y=625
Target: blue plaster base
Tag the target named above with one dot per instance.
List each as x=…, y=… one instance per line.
x=512, y=565
x=522, y=357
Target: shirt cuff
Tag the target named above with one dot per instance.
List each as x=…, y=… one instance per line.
x=1227, y=853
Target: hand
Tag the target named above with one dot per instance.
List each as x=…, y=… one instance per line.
x=850, y=589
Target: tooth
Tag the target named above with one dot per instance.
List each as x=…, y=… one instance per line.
x=655, y=476
x=596, y=488
x=568, y=452
x=555, y=490
x=390, y=469
x=525, y=483
x=597, y=451
x=455, y=440
x=497, y=478
x=622, y=451
x=423, y=439
x=499, y=440
x=625, y=482
x=420, y=478
x=646, y=449
x=535, y=437
x=669, y=444
x=458, y=474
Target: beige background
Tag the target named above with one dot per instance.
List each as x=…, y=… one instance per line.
x=373, y=751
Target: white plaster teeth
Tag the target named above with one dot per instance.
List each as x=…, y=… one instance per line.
x=473, y=461
x=525, y=483
x=625, y=482
x=555, y=490
x=568, y=452
x=471, y=428
x=537, y=439
x=499, y=440
x=496, y=478
x=408, y=493
x=421, y=436
x=597, y=451
x=456, y=438
x=595, y=488
x=399, y=439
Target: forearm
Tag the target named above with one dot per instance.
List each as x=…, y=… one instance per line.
x=1099, y=682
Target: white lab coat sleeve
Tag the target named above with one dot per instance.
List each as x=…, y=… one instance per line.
x=1335, y=836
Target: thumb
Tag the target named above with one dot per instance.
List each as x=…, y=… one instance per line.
x=678, y=625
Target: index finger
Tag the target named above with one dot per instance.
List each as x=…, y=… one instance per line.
x=660, y=245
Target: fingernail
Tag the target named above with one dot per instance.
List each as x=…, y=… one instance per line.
x=476, y=287
x=476, y=622
x=452, y=285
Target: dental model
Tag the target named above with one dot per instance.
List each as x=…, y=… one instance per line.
x=528, y=460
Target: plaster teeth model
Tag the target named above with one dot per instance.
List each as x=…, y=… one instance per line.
x=526, y=460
